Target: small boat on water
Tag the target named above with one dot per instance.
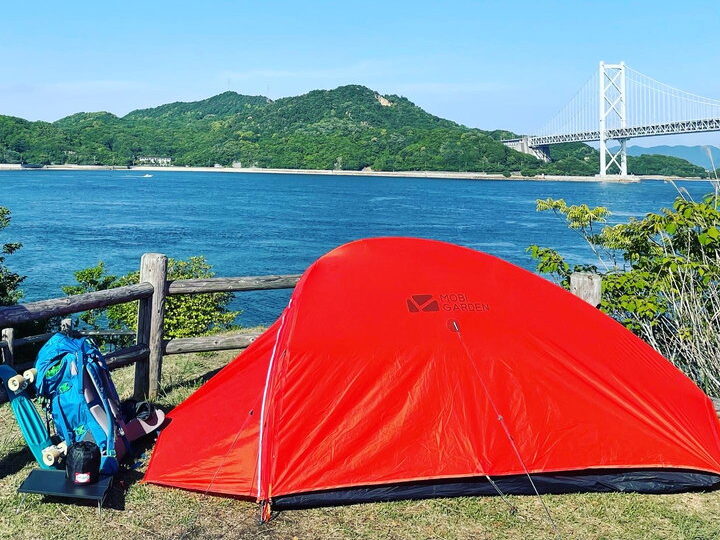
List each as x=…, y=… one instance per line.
x=147, y=175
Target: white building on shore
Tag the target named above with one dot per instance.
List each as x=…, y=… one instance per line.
x=153, y=160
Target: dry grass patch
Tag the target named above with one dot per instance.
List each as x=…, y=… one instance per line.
x=137, y=510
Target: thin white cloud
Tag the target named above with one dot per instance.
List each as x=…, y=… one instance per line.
x=73, y=87
x=100, y=85
x=356, y=70
x=449, y=87
x=385, y=75
x=55, y=99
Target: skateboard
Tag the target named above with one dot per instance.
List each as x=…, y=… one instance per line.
x=31, y=425
x=34, y=430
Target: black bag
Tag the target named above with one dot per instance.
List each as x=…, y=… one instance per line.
x=82, y=465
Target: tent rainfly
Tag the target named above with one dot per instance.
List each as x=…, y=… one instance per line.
x=408, y=368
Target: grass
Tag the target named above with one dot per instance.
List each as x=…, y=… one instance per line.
x=144, y=511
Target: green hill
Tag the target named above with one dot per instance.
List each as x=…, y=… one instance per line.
x=697, y=155
x=351, y=127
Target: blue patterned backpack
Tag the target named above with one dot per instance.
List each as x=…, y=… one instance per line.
x=74, y=379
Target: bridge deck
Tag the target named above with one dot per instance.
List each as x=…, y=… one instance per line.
x=688, y=126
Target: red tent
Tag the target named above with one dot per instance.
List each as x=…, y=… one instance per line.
x=406, y=368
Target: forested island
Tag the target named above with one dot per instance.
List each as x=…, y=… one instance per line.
x=348, y=128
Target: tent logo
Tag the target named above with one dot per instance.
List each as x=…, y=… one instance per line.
x=444, y=302
x=422, y=302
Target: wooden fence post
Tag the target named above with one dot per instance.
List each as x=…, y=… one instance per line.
x=587, y=286
x=8, y=352
x=151, y=314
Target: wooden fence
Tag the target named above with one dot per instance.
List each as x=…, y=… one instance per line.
x=150, y=346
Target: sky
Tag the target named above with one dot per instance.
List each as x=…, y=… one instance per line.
x=486, y=64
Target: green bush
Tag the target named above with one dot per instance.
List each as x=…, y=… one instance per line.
x=10, y=281
x=661, y=276
x=185, y=315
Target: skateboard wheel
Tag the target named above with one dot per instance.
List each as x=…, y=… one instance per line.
x=30, y=375
x=16, y=383
x=51, y=455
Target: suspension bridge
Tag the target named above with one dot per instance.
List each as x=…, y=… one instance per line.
x=616, y=104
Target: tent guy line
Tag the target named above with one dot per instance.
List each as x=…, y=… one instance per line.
x=454, y=327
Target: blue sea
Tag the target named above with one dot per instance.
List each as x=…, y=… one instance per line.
x=252, y=224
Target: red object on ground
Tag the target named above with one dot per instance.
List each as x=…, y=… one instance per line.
x=400, y=361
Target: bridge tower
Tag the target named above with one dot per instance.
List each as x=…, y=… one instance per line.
x=613, y=115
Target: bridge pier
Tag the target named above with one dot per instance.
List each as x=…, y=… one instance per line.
x=608, y=158
x=522, y=144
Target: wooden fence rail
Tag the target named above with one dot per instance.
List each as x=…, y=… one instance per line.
x=208, y=343
x=56, y=307
x=232, y=284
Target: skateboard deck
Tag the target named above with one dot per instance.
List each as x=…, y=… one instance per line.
x=31, y=424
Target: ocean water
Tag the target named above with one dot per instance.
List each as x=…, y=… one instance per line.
x=252, y=224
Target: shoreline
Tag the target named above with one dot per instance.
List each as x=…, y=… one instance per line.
x=326, y=172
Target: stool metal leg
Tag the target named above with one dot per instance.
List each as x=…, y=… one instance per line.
x=21, y=503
